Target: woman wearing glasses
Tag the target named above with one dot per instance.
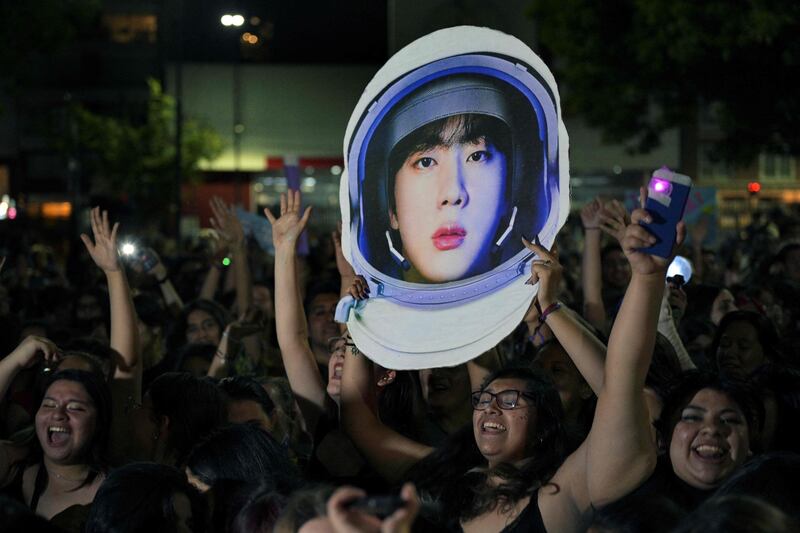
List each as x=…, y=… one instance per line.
x=508, y=471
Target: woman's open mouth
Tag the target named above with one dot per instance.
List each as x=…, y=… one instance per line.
x=449, y=236
x=57, y=436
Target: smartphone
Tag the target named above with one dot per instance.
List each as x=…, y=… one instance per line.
x=667, y=194
x=380, y=506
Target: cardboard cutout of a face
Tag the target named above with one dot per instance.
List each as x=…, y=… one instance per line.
x=455, y=151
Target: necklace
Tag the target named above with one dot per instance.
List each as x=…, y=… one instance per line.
x=64, y=478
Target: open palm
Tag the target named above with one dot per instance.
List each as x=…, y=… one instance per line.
x=287, y=228
x=104, y=249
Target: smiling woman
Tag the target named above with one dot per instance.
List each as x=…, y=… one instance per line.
x=72, y=426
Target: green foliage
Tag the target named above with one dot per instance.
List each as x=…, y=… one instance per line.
x=139, y=159
x=637, y=67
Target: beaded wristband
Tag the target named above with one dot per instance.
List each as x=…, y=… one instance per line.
x=552, y=308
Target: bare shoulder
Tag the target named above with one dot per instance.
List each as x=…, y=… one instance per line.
x=563, y=501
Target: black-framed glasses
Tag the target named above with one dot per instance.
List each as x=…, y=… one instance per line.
x=506, y=399
x=335, y=343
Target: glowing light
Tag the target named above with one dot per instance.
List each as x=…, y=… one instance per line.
x=226, y=20
x=753, y=187
x=336, y=170
x=128, y=248
x=56, y=209
x=249, y=38
x=237, y=20
x=231, y=20
x=12, y=213
x=680, y=266
x=660, y=185
x=226, y=261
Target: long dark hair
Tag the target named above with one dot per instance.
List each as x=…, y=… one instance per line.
x=455, y=476
x=176, y=337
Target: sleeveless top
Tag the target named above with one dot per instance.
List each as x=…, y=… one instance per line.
x=529, y=520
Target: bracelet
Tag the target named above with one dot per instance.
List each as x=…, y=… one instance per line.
x=552, y=308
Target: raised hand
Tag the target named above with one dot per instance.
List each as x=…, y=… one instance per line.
x=546, y=271
x=287, y=228
x=226, y=224
x=32, y=349
x=614, y=218
x=348, y=519
x=104, y=250
x=590, y=214
x=637, y=237
x=359, y=289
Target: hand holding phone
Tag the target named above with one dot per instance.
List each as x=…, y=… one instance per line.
x=667, y=194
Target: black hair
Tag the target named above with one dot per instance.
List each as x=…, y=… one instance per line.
x=322, y=286
x=304, y=505
x=260, y=512
x=177, y=333
x=16, y=518
x=247, y=388
x=456, y=474
x=683, y=388
x=737, y=514
x=242, y=452
x=96, y=459
x=150, y=310
x=767, y=335
x=193, y=405
x=771, y=476
x=188, y=351
x=139, y=497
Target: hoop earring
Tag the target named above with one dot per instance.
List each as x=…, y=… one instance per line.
x=397, y=256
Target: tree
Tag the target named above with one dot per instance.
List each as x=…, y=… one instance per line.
x=138, y=160
x=635, y=68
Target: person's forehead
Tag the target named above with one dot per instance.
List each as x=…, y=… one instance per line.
x=713, y=400
x=198, y=315
x=325, y=299
x=64, y=388
x=502, y=384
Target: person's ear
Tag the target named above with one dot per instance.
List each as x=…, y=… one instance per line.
x=393, y=220
x=387, y=378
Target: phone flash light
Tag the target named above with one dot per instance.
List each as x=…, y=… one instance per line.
x=662, y=186
x=128, y=249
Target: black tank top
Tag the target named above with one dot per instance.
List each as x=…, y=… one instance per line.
x=529, y=520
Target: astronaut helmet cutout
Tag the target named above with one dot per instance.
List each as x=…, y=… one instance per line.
x=455, y=150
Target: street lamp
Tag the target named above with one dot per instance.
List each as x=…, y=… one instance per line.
x=232, y=19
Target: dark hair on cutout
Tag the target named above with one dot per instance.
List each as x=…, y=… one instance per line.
x=193, y=405
x=242, y=452
x=97, y=389
x=686, y=385
x=139, y=497
x=177, y=333
x=240, y=388
x=456, y=474
x=737, y=514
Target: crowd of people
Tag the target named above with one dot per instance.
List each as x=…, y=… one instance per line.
x=184, y=393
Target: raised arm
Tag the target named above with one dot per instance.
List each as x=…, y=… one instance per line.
x=31, y=350
x=585, y=350
x=124, y=326
x=388, y=452
x=230, y=230
x=620, y=452
x=591, y=271
x=290, y=321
